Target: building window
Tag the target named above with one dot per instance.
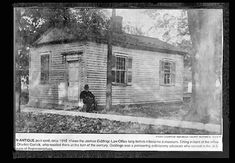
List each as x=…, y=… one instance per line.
x=63, y=59
x=121, y=69
x=167, y=72
x=44, y=68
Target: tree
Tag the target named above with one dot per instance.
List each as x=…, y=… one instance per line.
x=206, y=32
x=128, y=28
x=21, y=56
x=173, y=27
x=199, y=33
x=109, y=64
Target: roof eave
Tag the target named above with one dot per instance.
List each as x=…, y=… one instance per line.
x=116, y=43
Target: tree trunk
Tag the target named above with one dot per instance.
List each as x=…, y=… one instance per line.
x=109, y=76
x=18, y=93
x=19, y=109
x=205, y=27
x=109, y=66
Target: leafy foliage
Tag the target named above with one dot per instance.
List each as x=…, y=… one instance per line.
x=174, y=26
x=52, y=123
x=128, y=28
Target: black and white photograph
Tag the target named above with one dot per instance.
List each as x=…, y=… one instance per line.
x=123, y=71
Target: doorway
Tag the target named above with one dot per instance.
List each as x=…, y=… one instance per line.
x=74, y=80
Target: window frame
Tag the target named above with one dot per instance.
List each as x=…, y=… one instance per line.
x=126, y=70
x=49, y=63
x=162, y=73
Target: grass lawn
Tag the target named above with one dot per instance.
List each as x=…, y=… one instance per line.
x=170, y=111
x=173, y=111
x=52, y=123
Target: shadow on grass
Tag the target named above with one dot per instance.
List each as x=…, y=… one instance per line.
x=160, y=110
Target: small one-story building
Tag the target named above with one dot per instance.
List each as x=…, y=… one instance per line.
x=144, y=69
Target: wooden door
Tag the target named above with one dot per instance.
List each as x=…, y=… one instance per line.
x=74, y=80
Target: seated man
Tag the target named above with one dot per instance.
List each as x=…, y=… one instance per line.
x=88, y=99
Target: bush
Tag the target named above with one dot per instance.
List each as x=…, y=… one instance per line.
x=24, y=97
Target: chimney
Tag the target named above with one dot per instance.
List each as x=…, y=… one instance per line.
x=117, y=24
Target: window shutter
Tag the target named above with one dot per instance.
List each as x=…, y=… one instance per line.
x=113, y=62
x=113, y=76
x=129, y=77
x=44, y=69
x=63, y=59
x=129, y=63
x=129, y=70
x=161, y=77
x=47, y=68
x=173, y=73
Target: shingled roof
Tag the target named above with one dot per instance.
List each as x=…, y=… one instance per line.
x=59, y=36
